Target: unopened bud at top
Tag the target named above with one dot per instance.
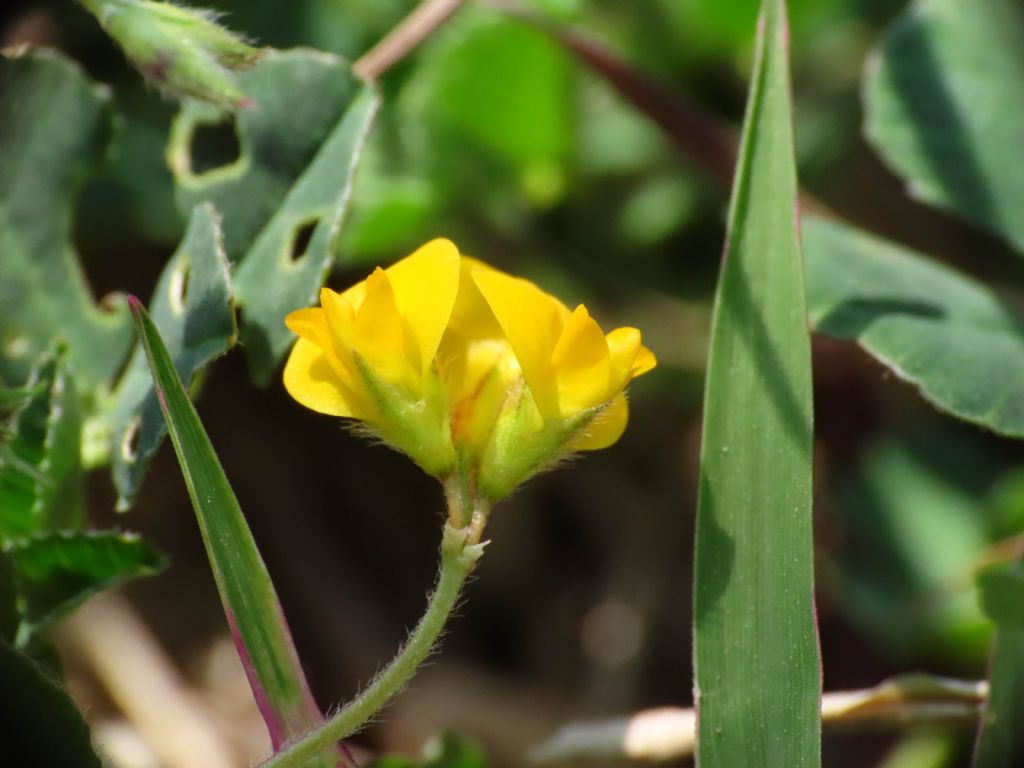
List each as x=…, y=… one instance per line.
x=183, y=51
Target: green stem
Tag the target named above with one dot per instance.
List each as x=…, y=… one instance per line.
x=459, y=554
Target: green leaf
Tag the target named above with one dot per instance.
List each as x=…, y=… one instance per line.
x=55, y=127
x=757, y=668
x=951, y=337
x=254, y=614
x=9, y=618
x=1000, y=741
x=41, y=484
x=914, y=524
x=284, y=198
x=192, y=308
x=1002, y=595
x=57, y=572
x=943, y=108
x=41, y=726
x=448, y=750
x=12, y=398
x=526, y=121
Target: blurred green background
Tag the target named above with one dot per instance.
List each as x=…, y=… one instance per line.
x=492, y=135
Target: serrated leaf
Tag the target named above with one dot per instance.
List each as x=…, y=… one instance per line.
x=192, y=308
x=57, y=572
x=942, y=331
x=757, y=670
x=943, y=108
x=54, y=129
x=41, y=726
x=40, y=469
x=253, y=611
x=283, y=200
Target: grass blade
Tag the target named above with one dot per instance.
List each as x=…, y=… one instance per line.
x=250, y=603
x=757, y=667
x=1000, y=742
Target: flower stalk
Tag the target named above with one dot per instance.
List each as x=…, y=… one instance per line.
x=460, y=550
x=483, y=380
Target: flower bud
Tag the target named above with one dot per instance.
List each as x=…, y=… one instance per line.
x=183, y=51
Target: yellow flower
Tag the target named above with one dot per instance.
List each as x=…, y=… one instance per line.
x=368, y=353
x=569, y=364
x=465, y=368
x=575, y=378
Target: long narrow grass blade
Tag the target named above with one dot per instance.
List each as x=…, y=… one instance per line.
x=250, y=603
x=757, y=668
x=1000, y=742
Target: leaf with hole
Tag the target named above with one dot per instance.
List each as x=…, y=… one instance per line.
x=41, y=726
x=943, y=108
x=757, y=669
x=55, y=128
x=41, y=484
x=283, y=199
x=960, y=344
x=57, y=572
x=192, y=308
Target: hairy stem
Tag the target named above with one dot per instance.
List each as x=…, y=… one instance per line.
x=459, y=554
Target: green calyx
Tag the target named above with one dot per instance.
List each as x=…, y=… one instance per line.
x=181, y=50
x=523, y=445
x=419, y=427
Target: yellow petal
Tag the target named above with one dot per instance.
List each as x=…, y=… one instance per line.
x=643, y=362
x=582, y=365
x=425, y=285
x=339, y=323
x=532, y=324
x=473, y=345
x=471, y=317
x=309, y=324
x=623, y=345
x=478, y=391
x=315, y=325
x=310, y=379
x=606, y=428
x=379, y=335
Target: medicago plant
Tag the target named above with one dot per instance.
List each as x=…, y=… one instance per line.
x=506, y=126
